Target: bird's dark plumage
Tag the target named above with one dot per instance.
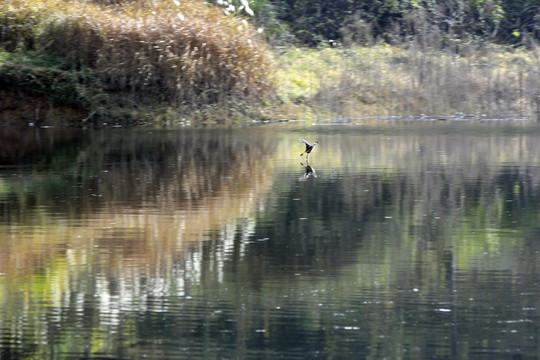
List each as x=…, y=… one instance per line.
x=309, y=147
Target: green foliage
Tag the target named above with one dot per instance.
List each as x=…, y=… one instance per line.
x=312, y=22
x=45, y=76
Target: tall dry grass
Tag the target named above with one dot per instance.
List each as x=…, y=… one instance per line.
x=184, y=53
x=412, y=80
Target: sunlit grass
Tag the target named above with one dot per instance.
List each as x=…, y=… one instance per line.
x=404, y=81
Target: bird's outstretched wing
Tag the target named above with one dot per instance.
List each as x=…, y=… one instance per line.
x=305, y=143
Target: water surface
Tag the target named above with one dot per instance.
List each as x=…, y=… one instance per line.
x=399, y=241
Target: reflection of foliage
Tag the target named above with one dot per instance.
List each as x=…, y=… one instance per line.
x=326, y=267
x=134, y=170
x=176, y=175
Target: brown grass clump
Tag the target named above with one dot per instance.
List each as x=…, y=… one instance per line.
x=183, y=53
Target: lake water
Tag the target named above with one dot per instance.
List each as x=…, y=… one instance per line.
x=399, y=241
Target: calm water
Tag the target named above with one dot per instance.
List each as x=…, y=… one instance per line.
x=405, y=241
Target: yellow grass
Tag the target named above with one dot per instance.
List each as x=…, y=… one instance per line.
x=407, y=81
x=184, y=53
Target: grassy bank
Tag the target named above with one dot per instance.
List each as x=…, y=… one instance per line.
x=125, y=58
x=381, y=81
x=169, y=62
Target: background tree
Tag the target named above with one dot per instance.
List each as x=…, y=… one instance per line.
x=312, y=22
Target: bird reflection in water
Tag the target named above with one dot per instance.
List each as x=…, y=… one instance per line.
x=308, y=172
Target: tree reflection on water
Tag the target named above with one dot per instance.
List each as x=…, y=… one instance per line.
x=203, y=243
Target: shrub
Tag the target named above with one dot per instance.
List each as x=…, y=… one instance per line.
x=184, y=53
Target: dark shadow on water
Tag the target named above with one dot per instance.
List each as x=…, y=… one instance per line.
x=33, y=145
x=81, y=173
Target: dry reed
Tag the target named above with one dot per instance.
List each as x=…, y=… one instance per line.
x=186, y=54
x=409, y=81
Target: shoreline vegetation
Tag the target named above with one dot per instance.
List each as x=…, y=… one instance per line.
x=171, y=63
x=409, y=82
x=132, y=60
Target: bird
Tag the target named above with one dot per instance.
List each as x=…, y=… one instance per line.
x=309, y=147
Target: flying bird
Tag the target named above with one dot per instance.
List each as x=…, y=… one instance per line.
x=309, y=147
